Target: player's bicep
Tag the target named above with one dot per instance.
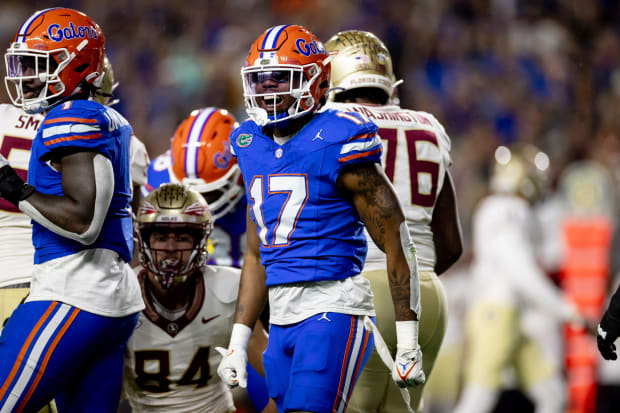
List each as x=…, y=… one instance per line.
x=374, y=198
x=78, y=178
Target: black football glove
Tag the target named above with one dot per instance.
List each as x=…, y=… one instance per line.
x=609, y=330
x=12, y=187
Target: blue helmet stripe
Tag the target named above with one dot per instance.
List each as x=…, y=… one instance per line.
x=193, y=142
x=271, y=38
x=23, y=30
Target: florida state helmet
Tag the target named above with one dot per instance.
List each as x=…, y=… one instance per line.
x=173, y=206
x=299, y=57
x=60, y=48
x=201, y=158
x=108, y=84
x=360, y=60
x=520, y=170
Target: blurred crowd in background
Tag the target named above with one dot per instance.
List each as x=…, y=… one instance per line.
x=494, y=72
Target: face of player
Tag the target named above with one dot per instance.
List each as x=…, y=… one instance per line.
x=277, y=82
x=31, y=66
x=171, y=249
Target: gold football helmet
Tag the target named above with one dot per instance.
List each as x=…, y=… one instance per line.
x=360, y=60
x=522, y=170
x=104, y=94
x=173, y=207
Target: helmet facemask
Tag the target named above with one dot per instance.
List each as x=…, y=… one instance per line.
x=299, y=89
x=46, y=67
x=173, y=267
x=222, y=194
x=68, y=48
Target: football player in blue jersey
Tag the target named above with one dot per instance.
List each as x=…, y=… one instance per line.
x=68, y=339
x=200, y=158
x=313, y=179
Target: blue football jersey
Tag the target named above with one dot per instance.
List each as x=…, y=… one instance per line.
x=227, y=244
x=93, y=127
x=308, y=230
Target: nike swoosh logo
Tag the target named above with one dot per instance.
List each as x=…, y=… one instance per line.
x=206, y=320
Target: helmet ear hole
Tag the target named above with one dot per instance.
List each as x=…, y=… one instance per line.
x=81, y=68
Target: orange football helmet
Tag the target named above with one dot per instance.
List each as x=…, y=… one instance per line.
x=61, y=51
x=201, y=158
x=293, y=54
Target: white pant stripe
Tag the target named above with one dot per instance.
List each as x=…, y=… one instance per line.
x=34, y=357
x=355, y=353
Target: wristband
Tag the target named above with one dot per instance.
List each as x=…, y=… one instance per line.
x=240, y=336
x=407, y=334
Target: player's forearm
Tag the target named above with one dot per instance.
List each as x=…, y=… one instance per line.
x=614, y=305
x=446, y=228
x=256, y=347
x=402, y=269
x=400, y=289
x=61, y=211
x=252, y=292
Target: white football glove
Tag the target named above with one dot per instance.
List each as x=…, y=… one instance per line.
x=407, y=370
x=232, y=369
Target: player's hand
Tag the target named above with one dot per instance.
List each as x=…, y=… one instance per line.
x=232, y=369
x=608, y=332
x=12, y=187
x=407, y=370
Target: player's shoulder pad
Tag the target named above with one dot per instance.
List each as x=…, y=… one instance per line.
x=77, y=109
x=222, y=281
x=339, y=126
x=243, y=134
x=158, y=172
x=86, y=112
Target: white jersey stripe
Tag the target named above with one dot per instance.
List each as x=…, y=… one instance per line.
x=52, y=131
x=361, y=145
x=354, y=355
x=193, y=142
x=35, y=355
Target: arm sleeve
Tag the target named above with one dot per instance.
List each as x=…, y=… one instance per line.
x=104, y=183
